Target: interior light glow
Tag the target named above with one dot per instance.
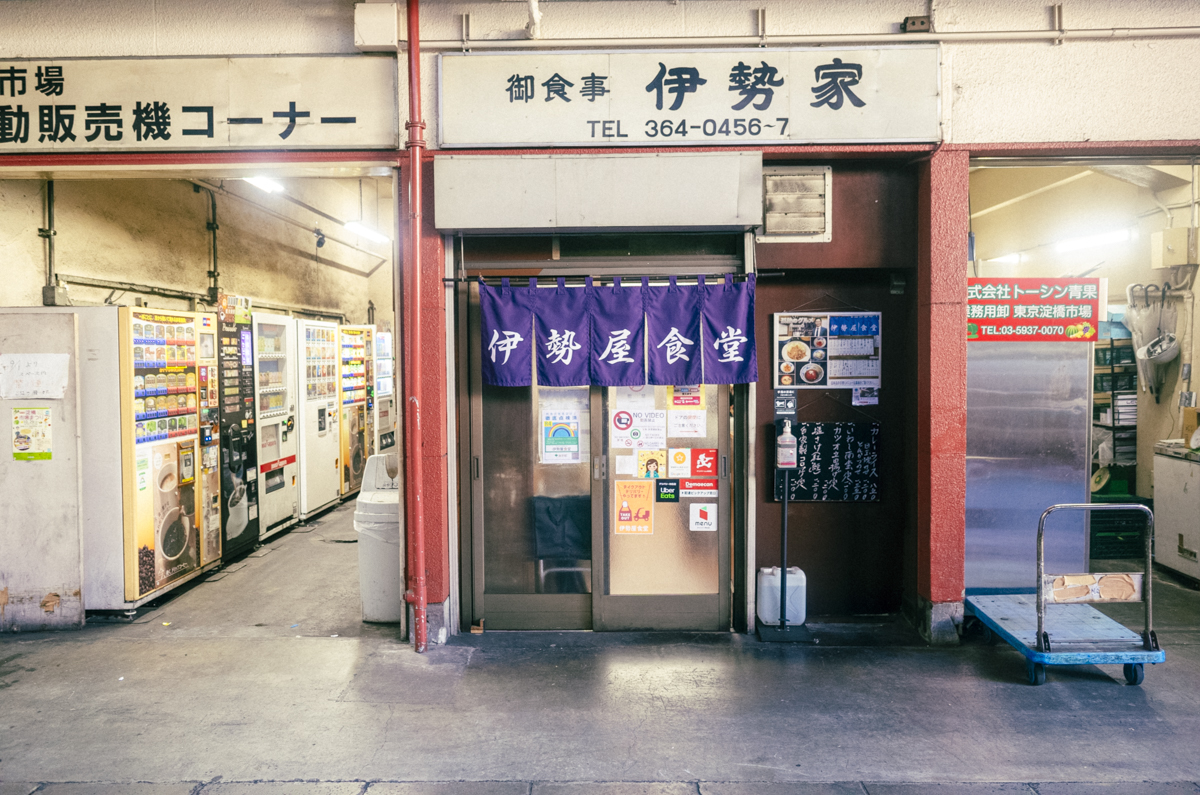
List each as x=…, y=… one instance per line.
x=367, y=232
x=1108, y=238
x=262, y=183
x=1007, y=259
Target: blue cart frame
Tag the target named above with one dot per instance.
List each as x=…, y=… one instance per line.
x=1092, y=637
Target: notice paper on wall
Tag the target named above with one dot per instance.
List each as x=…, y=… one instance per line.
x=31, y=438
x=625, y=464
x=560, y=436
x=33, y=375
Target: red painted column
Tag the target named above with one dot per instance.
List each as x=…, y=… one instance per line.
x=943, y=225
x=435, y=402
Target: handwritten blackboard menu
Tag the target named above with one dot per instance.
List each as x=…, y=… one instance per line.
x=837, y=462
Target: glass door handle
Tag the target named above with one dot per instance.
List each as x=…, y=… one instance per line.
x=725, y=467
x=475, y=468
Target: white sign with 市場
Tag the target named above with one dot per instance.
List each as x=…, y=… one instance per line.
x=680, y=97
x=171, y=104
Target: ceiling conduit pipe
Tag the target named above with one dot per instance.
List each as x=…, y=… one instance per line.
x=416, y=594
x=50, y=294
x=1054, y=35
x=214, y=275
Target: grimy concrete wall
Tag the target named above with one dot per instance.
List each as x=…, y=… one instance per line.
x=41, y=501
x=153, y=231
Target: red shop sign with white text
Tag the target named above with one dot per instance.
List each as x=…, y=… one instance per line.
x=1033, y=310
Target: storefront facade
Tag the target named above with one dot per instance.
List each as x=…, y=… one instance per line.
x=898, y=230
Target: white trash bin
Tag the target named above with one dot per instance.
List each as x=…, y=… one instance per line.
x=380, y=554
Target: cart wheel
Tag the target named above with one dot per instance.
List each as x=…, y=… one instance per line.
x=989, y=636
x=1134, y=673
x=1036, y=673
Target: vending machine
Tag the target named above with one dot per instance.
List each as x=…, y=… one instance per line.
x=275, y=422
x=317, y=416
x=147, y=470
x=385, y=389
x=239, y=460
x=208, y=384
x=358, y=403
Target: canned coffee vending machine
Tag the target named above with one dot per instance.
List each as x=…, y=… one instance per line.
x=357, y=393
x=145, y=484
x=276, y=436
x=239, y=462
x=317, y=388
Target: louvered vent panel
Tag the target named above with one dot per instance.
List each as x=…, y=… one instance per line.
x=795, y=203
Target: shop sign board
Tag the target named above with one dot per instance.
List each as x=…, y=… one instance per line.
x=1033, y=310
x=172, y=104
x=690, y=97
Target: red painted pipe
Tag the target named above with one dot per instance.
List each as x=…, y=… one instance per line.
x=415, y=514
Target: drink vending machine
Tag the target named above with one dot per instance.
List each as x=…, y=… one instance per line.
x=317, y=388
x=385, y=398
x=239, y=460
x=357, y=393
x=275, y=425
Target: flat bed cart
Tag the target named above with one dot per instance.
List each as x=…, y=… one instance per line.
x=1078, y=633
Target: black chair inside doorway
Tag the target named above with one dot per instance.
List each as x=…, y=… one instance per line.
x=563, y=536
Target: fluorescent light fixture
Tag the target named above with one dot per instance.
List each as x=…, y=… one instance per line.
x=1108, y=238
x=367, y=232
x=262, y=183
x=1007, y=259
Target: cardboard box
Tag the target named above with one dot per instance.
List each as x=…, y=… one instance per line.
x=1190, y=423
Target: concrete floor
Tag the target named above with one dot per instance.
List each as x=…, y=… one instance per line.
x=262, y=680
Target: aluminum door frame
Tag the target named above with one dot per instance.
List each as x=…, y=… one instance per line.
x=502, y=611
x=625, y=611
x=696, y=612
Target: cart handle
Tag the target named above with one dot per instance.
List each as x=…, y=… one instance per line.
x=1147, y=634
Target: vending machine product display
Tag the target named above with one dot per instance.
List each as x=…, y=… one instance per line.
x=166, y=490
x=317, y=387
x=385, y=398
x=239, y=460
x=208, y=384
x=357, y=392
x=275, y=426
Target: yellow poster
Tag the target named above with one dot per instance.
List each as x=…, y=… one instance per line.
x=634, y=507
x=652, y=463
x=685, y=397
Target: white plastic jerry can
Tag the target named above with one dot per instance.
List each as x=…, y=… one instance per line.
x=768, y=596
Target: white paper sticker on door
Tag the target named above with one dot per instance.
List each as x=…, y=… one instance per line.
x=638, y=429
x=679, y=462
x=687, y=423
x=704, y=517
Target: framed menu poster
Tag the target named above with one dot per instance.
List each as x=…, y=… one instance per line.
x=827, y=350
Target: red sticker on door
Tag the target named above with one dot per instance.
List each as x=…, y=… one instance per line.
x=704, y=462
